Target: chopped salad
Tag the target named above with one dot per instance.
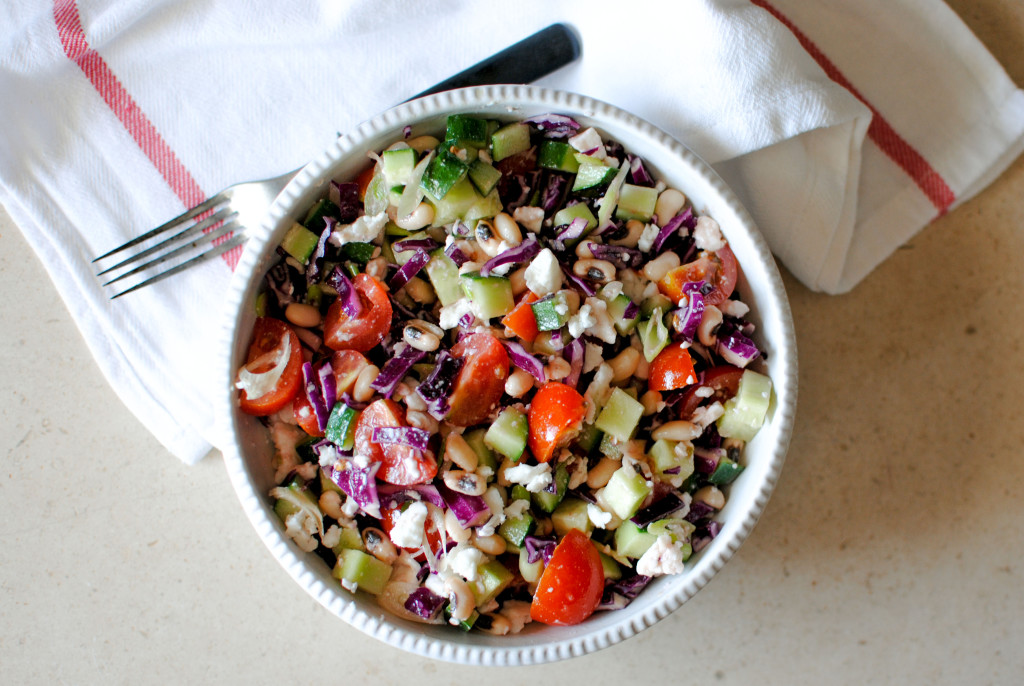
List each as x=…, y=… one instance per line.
x=507, y=375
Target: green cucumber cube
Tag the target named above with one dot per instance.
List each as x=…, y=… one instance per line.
x=589, y=438
x=519, y=492
x=636, y=202
x=366, y=571
x=557, y=155
x=491, y=295
x=341, y=426
x=551, y=312
x=565, y=216
x=491, y=579
x=507, y=435
x=625, y=491
x=611, y=568
x=655, y=302
x=631, y=541
x=459, y=200
x=299, y=242
x=485, y=458
x=547, y=501
x=571, y=513
x=397, y=165
x=350, y=540
x=653, y=334
x=358, y=252
x=443, y=172
x=509, y=140
x=592, y=179
x=617, y=311
x=444, y=277
x=745, y=412
x=484, y=176
x=465, y=130
x=725, y=473
x=484, y=207
x=664, y=457
x=314, y=220
x=516, y=529
x=620, y=415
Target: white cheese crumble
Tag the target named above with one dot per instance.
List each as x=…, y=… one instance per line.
x=647, y=237
x=365, y=229
x=286, y=437
x=593, y=356
x=706, y=414
x=733, y=308
x=408, y=531
x=529, y=217
x=496, y=504
x=534, y=477
x=599, y=517
x=707, y=235
x=598, y=391
x=516, y=508
x=543, y=276
x=602, y=326
x=589, y=139
x=465, y=560
x=664, y=557
x=581, y=321
x=450, y=315
x=301, y=527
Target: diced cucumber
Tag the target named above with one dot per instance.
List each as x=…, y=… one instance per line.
x=625, y=491
x=636, y=202
x=611, y=568
x=516, y=529
x=655, y=302
x=464, y=130
x=679, y=530
x=350, y=540
x=664, y=458
x=565, y=216
x=557, y=155
x=485, y=458
x=588, y=438
x=444, y=277
x=519, y=492
x=366, y=571
x=551, y=311
x=617, y=311
x=631, y=541
x=443, y=172
x=545, y=344
x=491, y=579
x=491, y=295
x=592, y=178
x=358, y=252
x=509, y=140
x=547, y=501
x=507, y=435
x=299, y=242
x=530, y=571
x=403, y=256
x=455, y=204
x=314, y=220
x=726, y=472
x=484, y=207
x=745, y=412
x=571, y=513
x=397, y=165
x=610, y=446
x=620, y=415
x=298, y=490
x=484, y=176
x=653, y=334
x=465, y=624
x=341, y=426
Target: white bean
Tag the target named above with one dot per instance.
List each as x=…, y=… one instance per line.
x=707, y=330
x=710, y=496
x=507, y=228
x=518, y=383
x=467, y=483
x=460, y=453
x=624, y=364
x=303, y=315
x=420, y=217
x=602, y=472
x=651, y=400
x=361, y=390
x=633, y=230
x=420, y=291
x=461, y=597
x=377, y=268
x=454, y=528
x=668, y=205
x=678, y=430
x=493, y=545
x=661, y=265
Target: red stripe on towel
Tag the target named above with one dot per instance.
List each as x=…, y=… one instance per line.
x=131, y=116
x=880, y=131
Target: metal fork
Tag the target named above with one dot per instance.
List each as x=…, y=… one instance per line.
x=219, y=224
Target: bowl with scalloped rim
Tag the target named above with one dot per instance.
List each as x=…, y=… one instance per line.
x=248, y=450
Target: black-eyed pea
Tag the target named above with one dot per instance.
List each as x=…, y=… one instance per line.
x=633, y=230
x=601, y=271
x=707, y=330
x=507, y=229
x=420, y=291
x=661, y=265
x=379, y=545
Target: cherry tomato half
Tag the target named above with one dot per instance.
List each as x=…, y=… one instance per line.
x=481, y=381
x=389, y=515
x=521, y=319
x=724, y=380
x=671, y=369
x=571, y=585
x=720, y=269
x=555, y=417
x=268, y=337
x=401, y=465
x=361, y=333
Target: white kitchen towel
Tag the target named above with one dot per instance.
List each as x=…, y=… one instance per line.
x=845, y=127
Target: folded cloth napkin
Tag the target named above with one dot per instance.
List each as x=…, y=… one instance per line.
x=845, y=128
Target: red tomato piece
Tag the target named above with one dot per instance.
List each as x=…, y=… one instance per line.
x=720, y=269
x=481, y=381
x=555, y=418
x=671, y=369
x=268, y=337
x=305, y=416
x=724, y=380
x=401, y=465
x=521, y=319
x=389, y=515
x=366, y=331
x=571, y=585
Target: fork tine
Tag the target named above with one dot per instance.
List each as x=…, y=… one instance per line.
x=214, y=252
x=205, y=238
x=207, y=204
x=222, y=215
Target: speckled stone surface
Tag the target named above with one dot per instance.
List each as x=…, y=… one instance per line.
x=891, y=551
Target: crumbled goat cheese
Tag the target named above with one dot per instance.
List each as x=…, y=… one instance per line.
x=598, y=391
x=496, y=504
x=286, y=437
x=408, y=530
x=707, y=235
x=534, y=477
x=451, y=314
x=648, y=235
x=581, y=321
x=517, y=612
x=599, y=517
x=301, y=528
x=363, y=230
x=589, y=139
x=592, y=357
x=465, y=560
x=733, y=308
x=602, y=326
x=664, y=557
x=706, y=414
x=543, y=276
x=529, y=217
x=516, y=508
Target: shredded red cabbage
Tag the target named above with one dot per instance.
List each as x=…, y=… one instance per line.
x=401, y=435
x=346, y=197
x=311, y=386
x=619, y=594
x=584, y=285
x=316, y=259
x=470, y=510
x=554, y=125
x=437, y=388
x=621, y=256
x=554, y=190
x=348, y=296
x=638, y=173
x=410, y=269
x=328, y=385
x=524, y=360
x=687, y=318
x=576, y=352
x=456, y=255
x=427, y=244
x=425, y=603
x=360, y=484
x=400, y=494
x=574, y=230
x=659, y=509
x=395, y=369
x=734, y=347
x=539, y=548
x=521, y=253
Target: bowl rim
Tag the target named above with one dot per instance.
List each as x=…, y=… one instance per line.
x=572, y=641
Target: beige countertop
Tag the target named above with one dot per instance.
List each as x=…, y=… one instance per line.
x=891, y=552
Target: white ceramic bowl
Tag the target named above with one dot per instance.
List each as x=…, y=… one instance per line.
x=247, y=449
